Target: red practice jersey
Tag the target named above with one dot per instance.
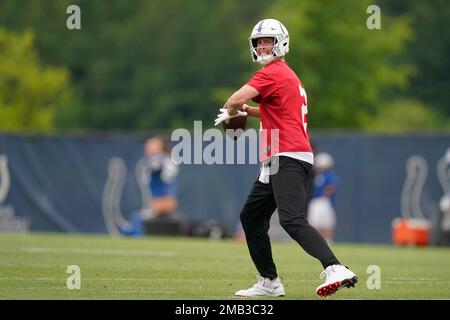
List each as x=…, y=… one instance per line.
x=283, y=106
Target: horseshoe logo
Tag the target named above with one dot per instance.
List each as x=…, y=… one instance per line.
x=112, y=194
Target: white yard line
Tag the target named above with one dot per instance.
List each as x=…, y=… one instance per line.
x=121, y=252
x=139, y=291
x=413, y=279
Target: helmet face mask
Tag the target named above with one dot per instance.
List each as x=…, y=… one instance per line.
x=269, y=28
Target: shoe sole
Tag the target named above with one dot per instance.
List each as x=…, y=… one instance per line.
x=261, y=296
x=332, y=288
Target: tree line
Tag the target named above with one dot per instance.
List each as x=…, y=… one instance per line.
x=161, y=64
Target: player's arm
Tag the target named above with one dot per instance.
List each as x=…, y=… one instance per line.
x=239, y=98
x=329, y=190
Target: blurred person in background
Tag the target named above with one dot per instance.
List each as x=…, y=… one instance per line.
x=321, y=209
x=162, y=175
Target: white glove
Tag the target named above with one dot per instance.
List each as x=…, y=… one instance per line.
x=225, y=116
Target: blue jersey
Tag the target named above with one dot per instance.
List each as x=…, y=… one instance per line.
x=323, y=180
x=162, y=173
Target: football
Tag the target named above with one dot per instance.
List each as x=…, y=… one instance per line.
x=234, y=124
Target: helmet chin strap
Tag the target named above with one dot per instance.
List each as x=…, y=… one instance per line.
x=265, y=58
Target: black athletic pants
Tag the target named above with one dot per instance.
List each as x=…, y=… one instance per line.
x=287, y=192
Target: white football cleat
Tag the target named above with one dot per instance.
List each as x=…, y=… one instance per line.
x=337, y=277
x=263, y=288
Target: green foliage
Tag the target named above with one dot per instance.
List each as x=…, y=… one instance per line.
x=161, y=64
x=429, y=52
x=142, y=64
x=404, y=115
x=30, y=94
x=343, y=65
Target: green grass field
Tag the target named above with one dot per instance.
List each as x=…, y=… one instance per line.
x=34, y=267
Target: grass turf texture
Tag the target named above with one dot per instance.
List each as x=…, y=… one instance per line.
x=34, y=267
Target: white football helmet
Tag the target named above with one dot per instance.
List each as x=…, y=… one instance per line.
x=324, y=160
x=274, y=29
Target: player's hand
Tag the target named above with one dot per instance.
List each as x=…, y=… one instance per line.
x=244, y=107
x=225, y=116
